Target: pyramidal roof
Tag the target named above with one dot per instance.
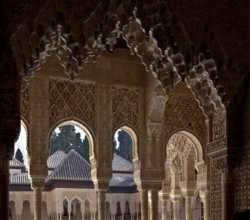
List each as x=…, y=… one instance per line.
x=16, y=163
x=122, y=181
x=55, y=159
x=72, y=167
x=119, y=164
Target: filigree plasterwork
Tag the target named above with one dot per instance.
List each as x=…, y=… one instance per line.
x=225, y=164
x=180, y=145
x=156, y=104
x=184, y=113
x=81, y=196
x=243, y=181
x=104, y=127
x=75, y=49
x=218, y=126
x=71, y=99
x=126, y=106
x=216, y=195
x=217, y=145
x=24, y=103
x=38, y=148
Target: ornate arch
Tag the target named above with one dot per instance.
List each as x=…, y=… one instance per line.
x=184, y=144
x=183, y=152
x=72, y=100
x=78, y=199
x=83, y=127
x=134, y=138
x=76, y=42
x=183, y=112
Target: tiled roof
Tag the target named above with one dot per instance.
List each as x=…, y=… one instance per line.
x=72, y=167
x=55, y=159
x=122, y=181
x=122, y=165
x=16, y=163
x=19, y=178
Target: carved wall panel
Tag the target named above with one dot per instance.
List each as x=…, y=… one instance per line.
x=38, y=149
x=71, y=99
x=217, y=145
x=104, y=126
x=24, y=103
x=216, y=195
x=243, y=181
x=243, y=171
x=126, y=106
x=181, y=145
x=219, y=126
x=184, y=113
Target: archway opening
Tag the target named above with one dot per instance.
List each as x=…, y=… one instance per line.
x=122, y=182
x=198, y=208
x=76, y=209
x=184, y=164
x=67, y=137
x=26, y=212
x=20, y=151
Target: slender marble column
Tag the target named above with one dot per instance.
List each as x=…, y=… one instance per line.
x=188, y=207
x=113, y=217
x=101, y=204
x=92, y=216
x=176, y=208
x=154, y=205
x=144, y=204
x=164, y=209
x=69, y=210
x=205, y=198
x=18, y=216
x=38, y=203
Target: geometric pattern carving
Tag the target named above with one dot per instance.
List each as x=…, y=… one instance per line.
x=182, y=146
x=218, y=126
x=71, y=99
x=243, y=181
x=126, y=105
x=24, y=102
x=217, y=145
x=216, y=195
x=184, y=113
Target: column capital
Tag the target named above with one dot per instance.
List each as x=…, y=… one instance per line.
x=6, y=148
x=101, y=177
x=37, y=183
x=149, y=185
x=188, y=186
x=101, y=185
x=38, y=171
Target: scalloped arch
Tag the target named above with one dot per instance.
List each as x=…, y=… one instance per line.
x=63, y=34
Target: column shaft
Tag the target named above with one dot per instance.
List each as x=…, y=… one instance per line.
x=4, y=188
x=144, y=204
x=207, y=207
x=38, y=203
x=154, y=205
x=101, y=204
x=188, y=208
x=92, y=216
x=164, y=209
x=18, y=216
x=175, y=209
